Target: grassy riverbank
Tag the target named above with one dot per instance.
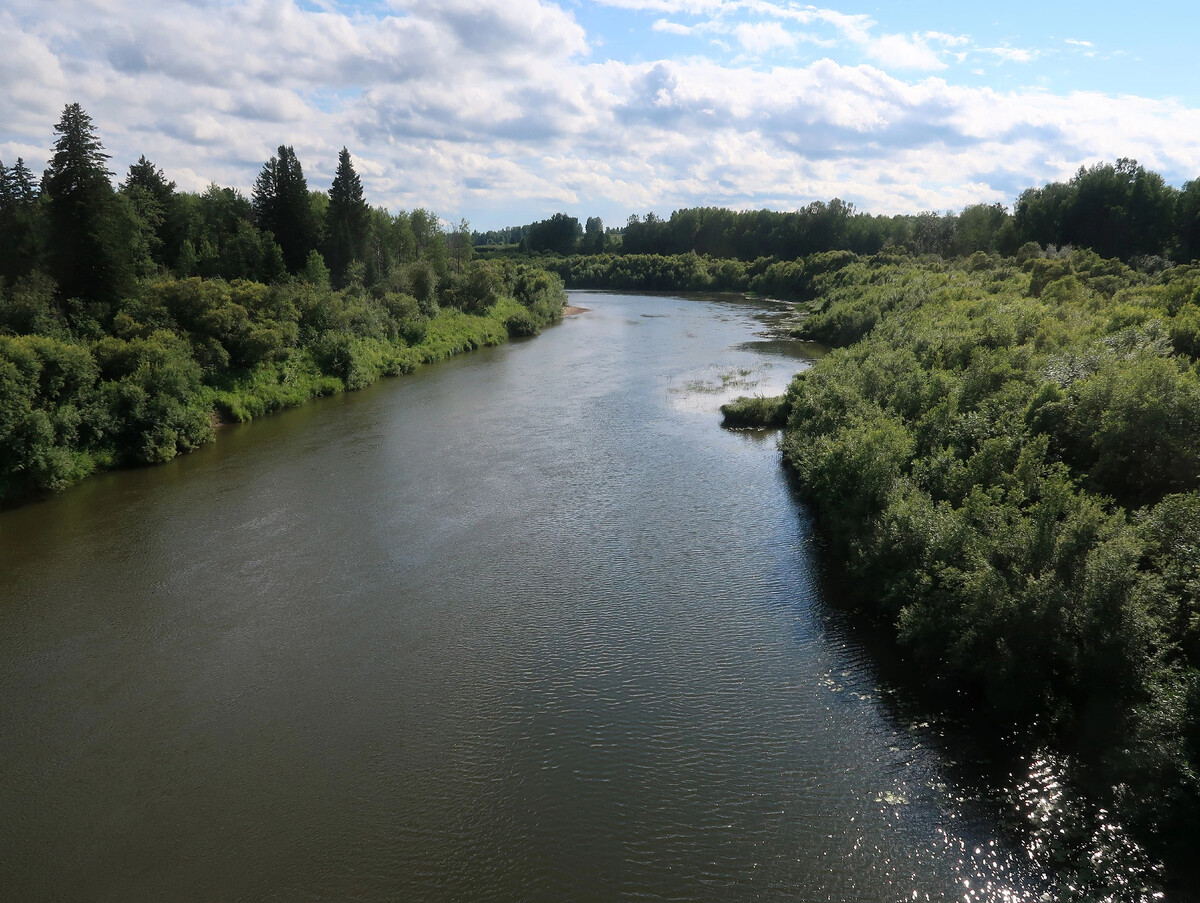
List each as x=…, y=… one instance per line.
x=90, y=388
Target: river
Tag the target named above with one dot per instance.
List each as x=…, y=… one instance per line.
x=527, y=625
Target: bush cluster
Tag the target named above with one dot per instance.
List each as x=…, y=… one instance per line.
x=1005, y=460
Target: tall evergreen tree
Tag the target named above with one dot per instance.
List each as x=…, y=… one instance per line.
x=20, y=187
x=20, y=228
x=145, y=174
x=346, y=220
x=281, y=207
x=84, y=232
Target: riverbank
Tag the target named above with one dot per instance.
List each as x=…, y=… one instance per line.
x=152, y=379
x=1003, y=463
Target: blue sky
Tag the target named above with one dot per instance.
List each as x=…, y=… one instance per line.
x=1117, y=48
x=506, y=112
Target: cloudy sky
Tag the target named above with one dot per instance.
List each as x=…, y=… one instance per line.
x=506, y=111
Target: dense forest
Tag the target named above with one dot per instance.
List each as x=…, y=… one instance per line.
x=134, y=318
x=1118, y=210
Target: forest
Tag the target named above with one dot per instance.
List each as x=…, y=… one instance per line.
x=135, y=319
x=1118, y=210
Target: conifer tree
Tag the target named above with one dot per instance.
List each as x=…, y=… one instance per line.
x=25, y=188
x=6, y=189
x=281, y=207
x=346, y=220
x=20, y=247
x=82, y=213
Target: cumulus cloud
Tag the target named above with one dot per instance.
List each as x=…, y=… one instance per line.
x=668, y=27
x=505, y=112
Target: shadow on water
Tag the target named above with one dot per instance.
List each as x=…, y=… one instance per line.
x=1072, y=851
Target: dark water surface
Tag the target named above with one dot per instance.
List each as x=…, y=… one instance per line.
x=527, y=625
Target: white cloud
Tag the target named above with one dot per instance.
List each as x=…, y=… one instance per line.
x=668, y=27
x=501, y=110
x=1012, y=54
x=763, y=37
x=904, y=52
x=671, y=7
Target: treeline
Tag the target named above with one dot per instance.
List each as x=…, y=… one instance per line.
x=96, y=241
x=1119, y=210
x=784, y=279
x=1005, y=461
x=561, y=234
x=133, y=319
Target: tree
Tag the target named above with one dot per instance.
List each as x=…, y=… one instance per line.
x=346, y=220
x=282, y=207
x=155, y=200
x=87, y=263
x=595, y=241
x=1187, y=221
x=560, y=234
x=460, y=246
x=19, y=245
x=978, y=228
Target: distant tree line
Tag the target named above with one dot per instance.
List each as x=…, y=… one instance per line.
x=133, y=317
x=1119, y=210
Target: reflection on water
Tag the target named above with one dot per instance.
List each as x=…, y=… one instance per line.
x=524, y=626
x=1089, y=857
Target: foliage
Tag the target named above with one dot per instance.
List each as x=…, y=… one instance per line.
x=560, y=234
x=756, y=412
x=86, y=258
x=1006, y=464
x=346, y=220
x=173, y=310
x=282, y=207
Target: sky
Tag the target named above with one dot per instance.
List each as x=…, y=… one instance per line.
x=503, y=112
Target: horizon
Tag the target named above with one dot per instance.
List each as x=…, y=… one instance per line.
x=505, y=115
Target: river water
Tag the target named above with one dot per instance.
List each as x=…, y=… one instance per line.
x=527, y=625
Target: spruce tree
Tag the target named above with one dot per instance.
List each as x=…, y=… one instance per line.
x=85, y=258
x=346, y=220
x=25, y=188
x=281, y=207
x=20, y=250
x=6, y=189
